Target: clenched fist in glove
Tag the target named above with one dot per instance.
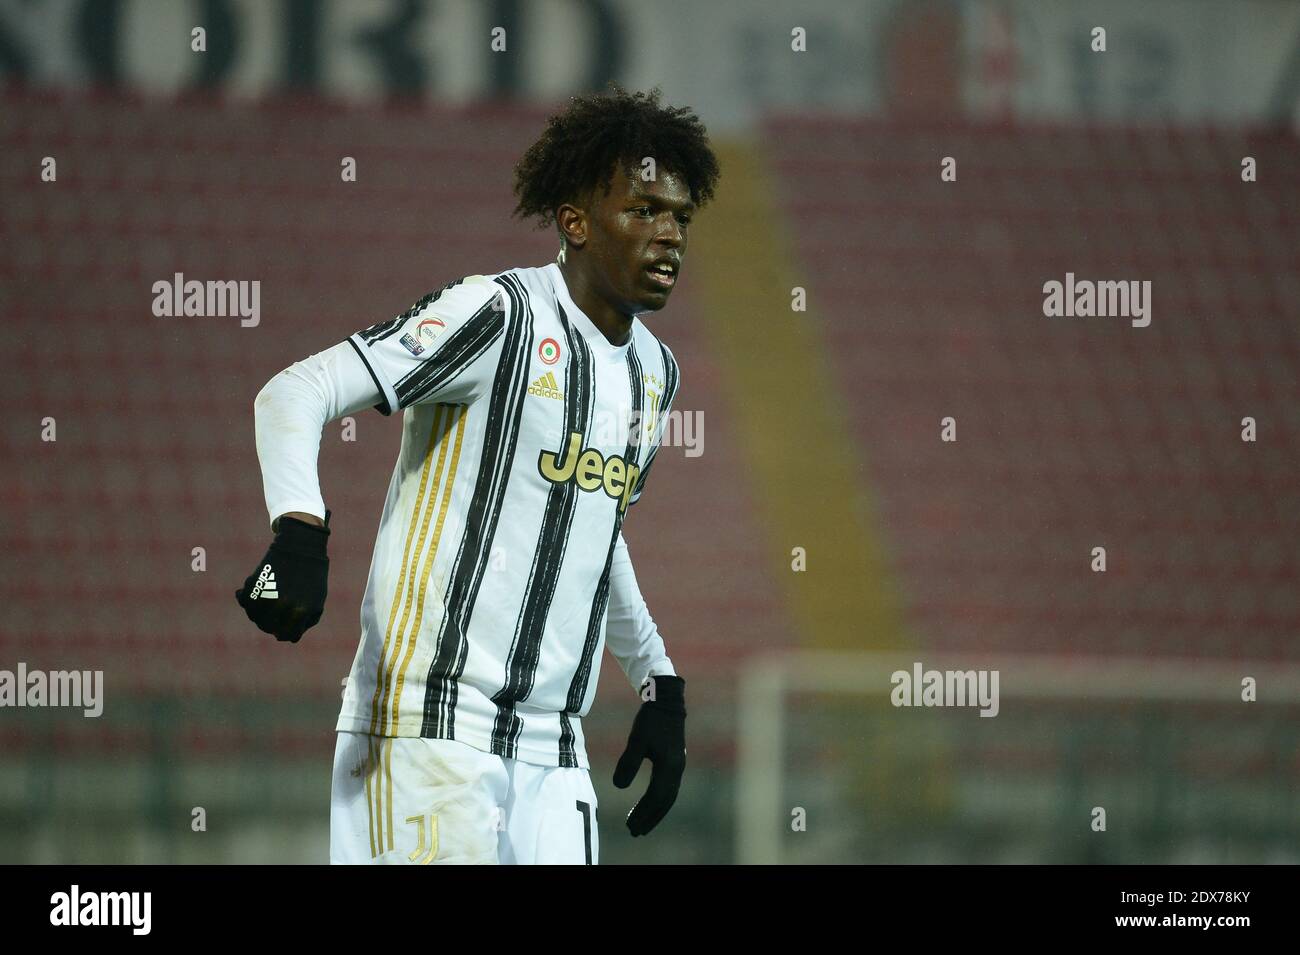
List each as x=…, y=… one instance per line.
x=659, y=734
x=285, y=595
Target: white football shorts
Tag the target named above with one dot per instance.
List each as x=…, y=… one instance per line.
x=413, y=801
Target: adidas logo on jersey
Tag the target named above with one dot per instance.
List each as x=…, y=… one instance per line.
x=546, y=387
x=265, y=586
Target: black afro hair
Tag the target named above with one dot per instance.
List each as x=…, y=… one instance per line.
x=583, y=145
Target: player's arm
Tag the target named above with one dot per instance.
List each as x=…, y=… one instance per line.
x=659, y=730
x=285, y=594
x=444, y=348
x=630, y=632
x=290, y=414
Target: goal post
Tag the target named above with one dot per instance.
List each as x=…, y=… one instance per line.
x=1161, y=742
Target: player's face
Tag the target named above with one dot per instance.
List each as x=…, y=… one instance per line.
x=639, y=234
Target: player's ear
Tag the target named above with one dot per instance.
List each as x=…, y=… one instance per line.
x=572, y=224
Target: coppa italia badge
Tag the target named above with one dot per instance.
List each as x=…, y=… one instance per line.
x=549, y=351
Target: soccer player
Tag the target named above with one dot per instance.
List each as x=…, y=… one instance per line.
x=534, y=402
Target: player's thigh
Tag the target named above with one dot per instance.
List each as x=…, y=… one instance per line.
x=553, y=816
x=409, y=801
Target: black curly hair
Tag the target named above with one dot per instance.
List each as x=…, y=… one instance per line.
x=582, y=146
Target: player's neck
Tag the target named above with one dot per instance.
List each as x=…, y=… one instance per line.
x=613, y=324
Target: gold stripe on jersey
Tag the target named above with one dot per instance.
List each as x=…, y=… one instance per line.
x=447, y=485
x=441, y=429
x=378, y=726
x=370, y=799
x=378, y=751
x=388, y=779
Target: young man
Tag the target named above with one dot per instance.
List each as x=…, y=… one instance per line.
x=535, y=402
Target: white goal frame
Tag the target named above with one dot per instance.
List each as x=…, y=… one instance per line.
x=766, y=680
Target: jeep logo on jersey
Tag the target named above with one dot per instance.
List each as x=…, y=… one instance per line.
x=590, y=470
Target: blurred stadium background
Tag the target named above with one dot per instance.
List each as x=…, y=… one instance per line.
x=821, y=427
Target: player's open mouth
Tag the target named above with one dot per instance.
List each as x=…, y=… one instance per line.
x=665, y=276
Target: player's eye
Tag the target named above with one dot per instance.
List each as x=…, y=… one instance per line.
x=643, y=209
x=684, y=220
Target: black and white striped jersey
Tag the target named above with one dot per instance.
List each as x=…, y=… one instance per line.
x=499, y=560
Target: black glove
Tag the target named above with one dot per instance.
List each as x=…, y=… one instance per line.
x=285, y=596
x=658, y=732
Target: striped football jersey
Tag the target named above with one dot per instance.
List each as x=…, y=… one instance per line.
x=526, y=437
